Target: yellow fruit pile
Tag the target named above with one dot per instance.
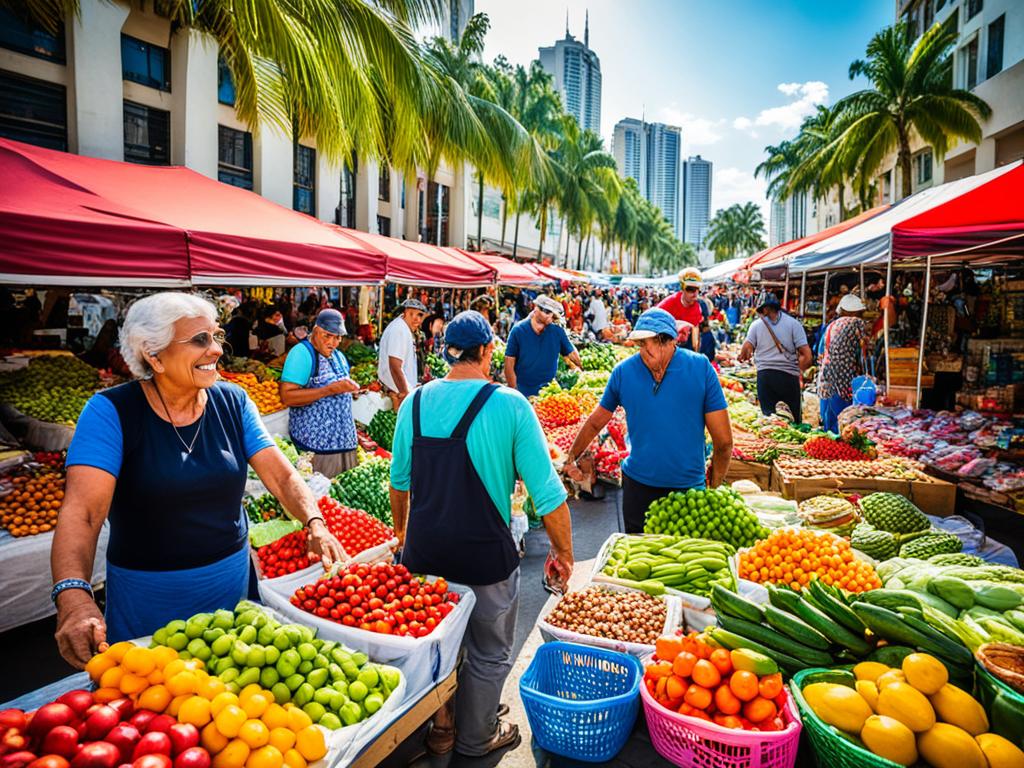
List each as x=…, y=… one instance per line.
x=910, y=713
x=263, y=393
x=247, y=730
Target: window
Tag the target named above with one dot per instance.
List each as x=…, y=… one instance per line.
x=147, y=135
x=923, y=162
x=384, y=183
x=225, y=84
x=995, y=47
x=33, y=111
x=145, y=63
x=928, y=17
x=384, y=226
x=974, y=8
x=969, y=63
x=345, y=213
x=304, y=180
x=436, y=214
x=234, y=157
x=914, y=22
x=17, y=35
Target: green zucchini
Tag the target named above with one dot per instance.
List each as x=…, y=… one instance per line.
x=766, y=636
x=939, y=644
x=834, y=631
x=905, y=630
x=782, y=598
x=732, y=641
x=727, y=601
x=836, y=608
x=794, y=628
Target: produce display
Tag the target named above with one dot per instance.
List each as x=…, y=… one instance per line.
x=263, y=393
x=364, y=374
x=358, y=353
x=382, y=428
x=250, y=653
x=886, y=467
x=563, y=408
x=795, y=556
x=366, y=487
x=717, y=513
x=627, y=616
x=355, y=530
x=32, y=501
x=893, y=526
x=262, y=508
x=598, y=357
x=285, y=555
x=381, y=598
x=51, y=388
x=734, y=689
x=829, y=448
x=834, y=514
x=651, y=563
x=261, y=371
x=909, y=713
x=437, y=366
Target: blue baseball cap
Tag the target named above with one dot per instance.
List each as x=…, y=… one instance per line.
x=466, y=330
x=653, y=322
x=331, y=321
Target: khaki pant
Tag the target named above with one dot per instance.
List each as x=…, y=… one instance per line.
x=333, y=464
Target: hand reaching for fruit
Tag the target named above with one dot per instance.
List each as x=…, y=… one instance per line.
x=81, y=631
x=323, y=545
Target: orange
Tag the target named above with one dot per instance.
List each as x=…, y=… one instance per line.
x=164, y=656
x=111, y=678
x=254, y=733
x=265, y=757
x=139, y=660
x=99, y=664
x=156, y=677
x=233, y=755
x=212, y=740
x=174, y=666
x=249, y=690
x=275, y=716
x=118, y=650
x=175, y=706
x=230, y=720
x=310, y=743
x=293, y=759
x=132, y=683
x=156, y=698
x=222, y=700
x=209, y=687
x=182, y=683
x=196, y=711
x=255, y=705
x=107, y=695
x=282, y=738
x=297, y=719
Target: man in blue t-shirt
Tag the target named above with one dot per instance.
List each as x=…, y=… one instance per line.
x=534, y=346
x=670, y=396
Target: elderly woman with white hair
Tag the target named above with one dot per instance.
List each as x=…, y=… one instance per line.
x=165, y=458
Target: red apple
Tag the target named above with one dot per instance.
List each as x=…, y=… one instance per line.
x=124, y=736
x=141, y=719
x=78, y=700
x=183, y=736
x=160, y=724
x=153, y=743
x=13, y=718
x=193, y=757
x=96, y=754
x=62, y=740
x=124, y=708
x=49, y=717
x=17, y=759
x=49, y=761
x=153, y=761
x=100, y=722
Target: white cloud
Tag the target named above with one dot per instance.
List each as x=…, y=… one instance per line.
x=697, y=131
x=804, y=97
x=732, y=186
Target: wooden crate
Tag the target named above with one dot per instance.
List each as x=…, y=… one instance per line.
x=934, y=497
x=760, y=474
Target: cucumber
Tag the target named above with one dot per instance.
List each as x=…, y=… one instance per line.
x=727, y=601
x=794, y=628
x=732, y=641
x=834, y=631
x=836, y=608
x=891, y=655
x=939, y=644
x=902, y=629
x=766, y=636
x=784, y=599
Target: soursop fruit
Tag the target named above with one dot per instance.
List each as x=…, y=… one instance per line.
x=957, y=558
x=894, y=513
x=931, y=544
x=880, y=545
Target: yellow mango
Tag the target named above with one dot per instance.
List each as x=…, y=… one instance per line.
x=867, y=689
x=838, y=705
x=892, y=676
x=1000, y=752
x=946, y=746
x=957, y=707
x=870, y=670
x=905, y=703
x=889, y=738
x=925, y=672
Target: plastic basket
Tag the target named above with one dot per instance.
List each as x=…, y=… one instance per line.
x=1005, y=707
x=581, y=701
x=689, y=741
x=831, y=750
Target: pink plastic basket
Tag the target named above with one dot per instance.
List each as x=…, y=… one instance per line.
x=688, y=741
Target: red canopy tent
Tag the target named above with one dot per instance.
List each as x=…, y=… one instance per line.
x=554, y=273
x=233, y=236
x=412, y=263
x=58, y=232
x=986, y=221
x=509, y=272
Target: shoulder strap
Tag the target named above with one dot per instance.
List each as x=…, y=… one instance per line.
x=460, y=431
x=314, y=368
x=416, y=413
x=778, y=344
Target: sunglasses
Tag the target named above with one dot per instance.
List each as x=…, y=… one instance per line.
x=690, y=289
x=205, y=339
x=545, y=311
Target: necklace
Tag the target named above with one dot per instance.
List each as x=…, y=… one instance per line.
x=188, y=447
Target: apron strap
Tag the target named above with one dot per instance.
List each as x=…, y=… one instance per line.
x=416, y=414
x=459, y=433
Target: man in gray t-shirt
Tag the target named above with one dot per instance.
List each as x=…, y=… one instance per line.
x=778, y=344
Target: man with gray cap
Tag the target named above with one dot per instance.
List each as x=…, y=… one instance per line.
x=778, y=344
x=534, y=346
x=396, y=361
x=316, y=386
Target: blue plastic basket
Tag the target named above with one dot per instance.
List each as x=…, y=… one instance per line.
x=581, y=701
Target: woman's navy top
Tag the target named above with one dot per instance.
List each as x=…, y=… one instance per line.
x=171, y=509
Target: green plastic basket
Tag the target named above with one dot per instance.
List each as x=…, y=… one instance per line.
x=1005, y=707
x=830, y=749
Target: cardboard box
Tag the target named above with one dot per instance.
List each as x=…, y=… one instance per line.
x=934, y=497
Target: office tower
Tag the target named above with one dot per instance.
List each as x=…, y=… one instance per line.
x=577, y=73
x=650, y=154
x=696, y=200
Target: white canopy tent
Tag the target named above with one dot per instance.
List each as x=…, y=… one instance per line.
x=723, y=271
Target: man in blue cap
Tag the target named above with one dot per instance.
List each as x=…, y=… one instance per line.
x=316, y=386
x=670, y=396
x=459, y=444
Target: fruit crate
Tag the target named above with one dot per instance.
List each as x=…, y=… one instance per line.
x=933, y=496
x=749, y=470
x=831, y=750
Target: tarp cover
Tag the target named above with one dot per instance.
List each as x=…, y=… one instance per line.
x=509, y=272
x=234, y=236
x=723, y=271
x=982, y=221
x=412, y=263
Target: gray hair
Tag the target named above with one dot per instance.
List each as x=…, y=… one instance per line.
x=149, y=326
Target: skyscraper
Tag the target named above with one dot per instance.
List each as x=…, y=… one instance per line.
x=696, y=200
x=577, y=73
x=650, y=154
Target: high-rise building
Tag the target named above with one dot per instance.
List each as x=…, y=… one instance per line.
x=577, y=73
x=650, y=154
x=696, y=200
x=790, y=219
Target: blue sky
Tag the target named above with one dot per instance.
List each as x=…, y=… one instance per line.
x=736, y=75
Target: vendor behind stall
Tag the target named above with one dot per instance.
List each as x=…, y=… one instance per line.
x=316, y=386
x=459, y=444
x=670, y=396
x=164, y=458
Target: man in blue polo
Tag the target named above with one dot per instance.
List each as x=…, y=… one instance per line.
x=534, y=346
x=670, y=396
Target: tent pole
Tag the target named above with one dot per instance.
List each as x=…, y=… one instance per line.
x=785, y=292
x=380, y=310
x=885, y=314
x=862, y=282
x=824, y=301
x=924, y=327
x=803, y=292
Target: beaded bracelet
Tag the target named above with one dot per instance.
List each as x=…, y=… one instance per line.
x=64, y=584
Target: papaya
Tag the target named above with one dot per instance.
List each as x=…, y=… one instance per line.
x=838, y=705
x=946, y=746
x=957, y=707
x=867, y=689
x=1000, y=752
x=870, y=670
x=892, y=676
x=926, y=673
x=889, y=738
x=903, y=702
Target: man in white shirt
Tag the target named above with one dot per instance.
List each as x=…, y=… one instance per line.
x=598, y=313
x=396, y=361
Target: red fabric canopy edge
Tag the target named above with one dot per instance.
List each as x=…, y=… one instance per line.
x=412, y=263
x=779, y=252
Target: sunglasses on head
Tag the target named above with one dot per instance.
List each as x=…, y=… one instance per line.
x=204, y=339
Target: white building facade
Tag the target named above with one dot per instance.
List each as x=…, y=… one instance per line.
x=577, y=73
x=791, y=219
x=650, y=153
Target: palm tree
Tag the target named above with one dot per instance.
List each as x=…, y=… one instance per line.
x=822, y=166
x=912, y=94
x=778, y=168
x=738, y=229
